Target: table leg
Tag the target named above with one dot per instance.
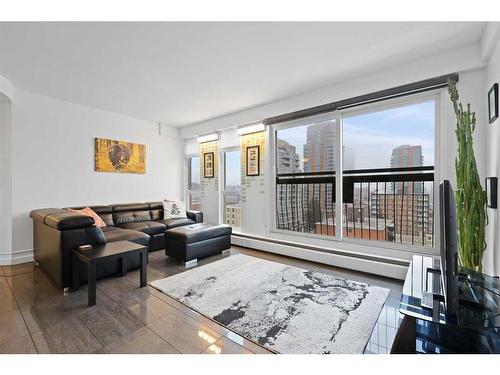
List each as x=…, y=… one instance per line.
x=144, y=270
x=124, y=266
x=76, y=272
x=91, y=279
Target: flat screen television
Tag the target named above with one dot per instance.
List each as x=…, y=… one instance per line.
x=449, y=257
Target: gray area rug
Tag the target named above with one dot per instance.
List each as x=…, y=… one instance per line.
x=284, y=308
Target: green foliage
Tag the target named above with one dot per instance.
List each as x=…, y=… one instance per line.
x=470, y=196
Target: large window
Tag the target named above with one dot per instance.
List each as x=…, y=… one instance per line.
x=193, y=194
x=386, y=180
x=232, y=188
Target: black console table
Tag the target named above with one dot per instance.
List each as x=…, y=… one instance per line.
x=474, y=329
x=112, y=250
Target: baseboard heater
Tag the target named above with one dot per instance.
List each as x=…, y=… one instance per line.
x=402, y=264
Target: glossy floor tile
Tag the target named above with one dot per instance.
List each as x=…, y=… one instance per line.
x=21, y=345
x=68, y=336
x=184, y=333
x=36, y=316
x=109, y=322
x=226, y=346
x=143, y=341
x=12, y=326
x=7, y=301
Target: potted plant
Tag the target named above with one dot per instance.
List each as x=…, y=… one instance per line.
x=470, y=196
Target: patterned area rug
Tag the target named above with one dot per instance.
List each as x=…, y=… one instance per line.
x=284, y=308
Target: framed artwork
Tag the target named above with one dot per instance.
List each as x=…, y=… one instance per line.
x=253, y=161
x=208, y=165
x=491, y=192
x=493, y=103
x=119, y=156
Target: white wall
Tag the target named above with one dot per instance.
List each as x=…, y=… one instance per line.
x=53, y=160
x=5, y=178
x=6, y=88
x=491, y=261
x=454, y=60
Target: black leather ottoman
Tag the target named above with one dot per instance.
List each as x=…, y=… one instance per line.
x=190, y=242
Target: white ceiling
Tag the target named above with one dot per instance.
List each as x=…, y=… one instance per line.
x=183, y=73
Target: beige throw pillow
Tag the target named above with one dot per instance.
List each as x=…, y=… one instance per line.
x=174, y=210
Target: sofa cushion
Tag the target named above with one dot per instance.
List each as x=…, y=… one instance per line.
x=174, y=223
x=197, y=232
x=130, y=207
x=149, y=227
x=156, y=209
x=113, y=234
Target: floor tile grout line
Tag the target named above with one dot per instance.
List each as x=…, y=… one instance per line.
x=177, y=350
x=122, y=307
x=93, y=334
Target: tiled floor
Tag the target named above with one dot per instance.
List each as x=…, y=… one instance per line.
x=35, y=316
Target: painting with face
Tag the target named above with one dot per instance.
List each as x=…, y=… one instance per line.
x=119, y=156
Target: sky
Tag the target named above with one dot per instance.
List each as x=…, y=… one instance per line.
x=373, y=136
x=233, y=168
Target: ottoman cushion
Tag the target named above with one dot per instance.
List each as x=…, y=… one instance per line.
x=197, y=232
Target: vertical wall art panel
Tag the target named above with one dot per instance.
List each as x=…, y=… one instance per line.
x=253, y=207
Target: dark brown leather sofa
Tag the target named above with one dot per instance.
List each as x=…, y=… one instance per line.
x=56, y=232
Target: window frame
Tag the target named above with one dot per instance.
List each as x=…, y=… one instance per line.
x=437, y=95
x=187, y=183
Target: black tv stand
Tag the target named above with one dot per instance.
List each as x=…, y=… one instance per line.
x=475, y=328
x=469, y=291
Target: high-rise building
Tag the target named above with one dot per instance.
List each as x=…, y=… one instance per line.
x=233, y=215
x=410, y=216
x=289, y=199
x=319, y=156
x=319, y=149
x=288, y=159
x=407, y=156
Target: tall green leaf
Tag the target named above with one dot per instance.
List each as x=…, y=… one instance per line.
x=470, y=196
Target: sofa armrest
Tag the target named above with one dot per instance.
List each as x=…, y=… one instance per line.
x=196, y=216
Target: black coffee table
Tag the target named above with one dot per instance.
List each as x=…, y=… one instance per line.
x=104, y=253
